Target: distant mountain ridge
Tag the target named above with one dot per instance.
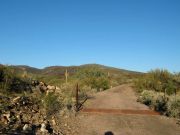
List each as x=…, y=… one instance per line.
x=59, y=71
x=54, y=70
x=55, y=75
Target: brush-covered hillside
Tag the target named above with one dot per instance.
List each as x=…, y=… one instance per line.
x=55, y=75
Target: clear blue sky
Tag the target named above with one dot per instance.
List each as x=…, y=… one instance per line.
x=131, y=34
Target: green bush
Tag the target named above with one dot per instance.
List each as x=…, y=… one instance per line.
x=146, y=97
x=68, y=93
x=11, y=82
x=51, y=104
x=170, y=87
x=83, y=92
x=99, y=83
x=173, y=108
x=161, y=104
x=169, y=105
x=6, y=77
x=94, y=78
x=159, y=81
x=140, y=84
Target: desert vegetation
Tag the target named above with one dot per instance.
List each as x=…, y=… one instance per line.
x=160, y=90
x=45, y=94
x=32, y=100
x=23, y=108
x=12, y=82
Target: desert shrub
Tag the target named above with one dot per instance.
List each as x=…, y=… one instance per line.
x=11, y=82
x=146, y=97
x=114, y=83
x=6, y=77
x=68, y=94
x=170, y=87
x=1, y=74
x=153, y=99
x=161, y=104
x=159, y=81
x=140, y=84
x=84, y=90
x=94, y=78
x=51, y=104
x=167, y=105
x=173, y=108
x=100, y=83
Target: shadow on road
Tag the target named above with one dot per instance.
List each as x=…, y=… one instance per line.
x=109, y=133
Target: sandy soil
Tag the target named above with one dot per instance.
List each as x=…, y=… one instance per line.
x=122, y=98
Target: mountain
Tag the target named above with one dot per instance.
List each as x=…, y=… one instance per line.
x=60, y=70
x=56, y=74
x=22, y=68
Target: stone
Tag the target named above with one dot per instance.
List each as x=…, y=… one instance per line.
x=54, y=121
x=17, y=99
x=27, y=127
x=62, y=113
x=4, y=120
x=43, y=128
x=7, y=118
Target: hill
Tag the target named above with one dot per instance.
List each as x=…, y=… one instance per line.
x=55, y=75
x=59, y=70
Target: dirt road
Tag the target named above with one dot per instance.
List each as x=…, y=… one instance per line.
x=116, y=110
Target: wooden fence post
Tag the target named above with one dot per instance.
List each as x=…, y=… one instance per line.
x=77, y=102
x=175, y=93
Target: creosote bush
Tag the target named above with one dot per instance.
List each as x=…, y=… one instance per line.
x=173, y=107
x=51, y=104
x=168, y=105
x=146, y=97
x=159, y=81
x=160, y=104
x=11, y=82
x=94, y=78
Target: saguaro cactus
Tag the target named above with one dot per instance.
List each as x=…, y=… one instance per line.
x=66, y=76
x=108, y=74
x=24, y=75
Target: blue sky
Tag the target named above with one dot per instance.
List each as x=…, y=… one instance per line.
x=132, y=34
